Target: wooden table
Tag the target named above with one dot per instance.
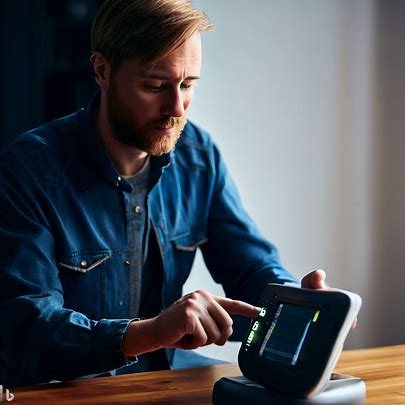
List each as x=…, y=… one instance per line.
x=383, y=370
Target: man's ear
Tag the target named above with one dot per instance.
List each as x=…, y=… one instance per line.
x=102, y=69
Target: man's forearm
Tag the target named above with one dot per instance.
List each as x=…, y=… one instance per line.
x=140, y=338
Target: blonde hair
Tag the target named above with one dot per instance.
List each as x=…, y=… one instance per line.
x=144, y=29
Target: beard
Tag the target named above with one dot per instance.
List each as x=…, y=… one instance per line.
x=126, y=130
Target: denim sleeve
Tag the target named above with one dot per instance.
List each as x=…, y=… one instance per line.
x=236, y=254
x=40, y=340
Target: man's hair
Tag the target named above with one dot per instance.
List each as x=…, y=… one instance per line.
x=144, y=29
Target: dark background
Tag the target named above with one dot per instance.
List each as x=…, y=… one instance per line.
x=45, y=71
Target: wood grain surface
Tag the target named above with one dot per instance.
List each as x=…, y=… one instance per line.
x=383, y=370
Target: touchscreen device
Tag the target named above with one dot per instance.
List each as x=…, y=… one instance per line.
x=295, y=341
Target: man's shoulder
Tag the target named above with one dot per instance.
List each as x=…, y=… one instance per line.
x=195, y=149
x=47, y=137
x=46, y=148
x=195, y=137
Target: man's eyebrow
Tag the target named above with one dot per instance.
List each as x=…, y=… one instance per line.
x=167, y=78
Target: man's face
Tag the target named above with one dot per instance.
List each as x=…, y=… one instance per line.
x=147, y=103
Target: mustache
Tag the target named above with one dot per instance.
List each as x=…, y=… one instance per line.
x=164, y=122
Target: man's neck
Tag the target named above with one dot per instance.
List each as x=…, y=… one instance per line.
x=127, y=160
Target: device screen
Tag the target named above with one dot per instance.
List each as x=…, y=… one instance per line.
x=289, y=328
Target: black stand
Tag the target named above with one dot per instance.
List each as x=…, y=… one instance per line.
x=341, y=390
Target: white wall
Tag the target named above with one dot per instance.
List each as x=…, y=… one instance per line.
x=389, y=302
x=288, y=91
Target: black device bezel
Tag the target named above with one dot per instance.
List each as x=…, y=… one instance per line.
x=301, y=378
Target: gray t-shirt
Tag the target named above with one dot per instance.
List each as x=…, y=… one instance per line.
x=145, y=283
x=137, y=217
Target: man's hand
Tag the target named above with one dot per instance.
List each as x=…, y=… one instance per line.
x=314, y=280
x=195, y=320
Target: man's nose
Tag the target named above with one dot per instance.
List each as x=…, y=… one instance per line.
x=174, y=104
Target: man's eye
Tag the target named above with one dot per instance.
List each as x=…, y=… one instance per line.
x=186, y=86
x=154, y=87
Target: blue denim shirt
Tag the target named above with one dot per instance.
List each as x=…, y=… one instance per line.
x=64, y=238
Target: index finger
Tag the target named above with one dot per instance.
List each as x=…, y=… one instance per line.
x=236, y=307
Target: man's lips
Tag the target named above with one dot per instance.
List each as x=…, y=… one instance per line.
x=164, y=130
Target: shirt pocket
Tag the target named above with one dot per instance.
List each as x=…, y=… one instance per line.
x=184, y=251
x=83, y=276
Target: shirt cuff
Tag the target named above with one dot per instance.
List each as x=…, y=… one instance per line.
x=107, y=343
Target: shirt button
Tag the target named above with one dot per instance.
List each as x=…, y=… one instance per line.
x=83, y=263
x=121, y=303
x=118, y=181
x=137, y=209
x=127, y=262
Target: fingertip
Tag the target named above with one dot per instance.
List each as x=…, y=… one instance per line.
x=318, y=279
x=251, y=312
x=321, y=274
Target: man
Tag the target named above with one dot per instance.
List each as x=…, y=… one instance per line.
x=103, y=210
